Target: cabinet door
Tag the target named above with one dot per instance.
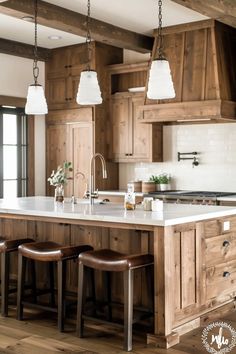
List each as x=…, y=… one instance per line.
x=122, y=128
x=56, y=93
x=81, y=150
x=56, y=151
x=142, y=135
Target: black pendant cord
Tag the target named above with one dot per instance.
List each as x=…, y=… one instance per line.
x=159, y=32
x=35, y=64
x=88, y=36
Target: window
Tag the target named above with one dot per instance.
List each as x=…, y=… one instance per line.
x=13, y=152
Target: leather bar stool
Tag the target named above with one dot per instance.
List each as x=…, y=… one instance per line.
x=6, y=248
x=111, y=261
x=47, y=252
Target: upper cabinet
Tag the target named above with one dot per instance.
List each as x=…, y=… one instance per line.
x=62, y=73
x=64, y=67
x=132, y=141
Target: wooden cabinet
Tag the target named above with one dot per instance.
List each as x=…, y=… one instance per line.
x=63, y=73
x=133, y=141
x=70, y=141
x=85, y=130
x=220, y=258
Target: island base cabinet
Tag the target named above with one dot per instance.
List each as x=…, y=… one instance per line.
x=194, y=266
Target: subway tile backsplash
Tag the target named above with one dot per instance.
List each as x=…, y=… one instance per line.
x=216, y=145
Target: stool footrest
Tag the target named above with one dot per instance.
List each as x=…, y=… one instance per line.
x=40, y=306
x=95, y=319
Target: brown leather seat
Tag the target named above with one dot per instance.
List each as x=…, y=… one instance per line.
x=6, y=248
x=12, y=245
x=51, y=251
x=112, y=261
x=47, y=252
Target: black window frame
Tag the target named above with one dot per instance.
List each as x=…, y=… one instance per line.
x=22, y=142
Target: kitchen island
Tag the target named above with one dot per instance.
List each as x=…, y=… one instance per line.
x=193, y=246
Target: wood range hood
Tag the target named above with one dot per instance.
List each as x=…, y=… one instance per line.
x=202, y=60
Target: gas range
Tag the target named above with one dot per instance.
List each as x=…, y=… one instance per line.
x=189, y=197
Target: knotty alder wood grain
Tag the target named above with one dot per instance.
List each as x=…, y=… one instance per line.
x=73, y=22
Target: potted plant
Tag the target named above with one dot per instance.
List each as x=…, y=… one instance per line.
x=164, y=181
x=155, y=179
x=59, y=178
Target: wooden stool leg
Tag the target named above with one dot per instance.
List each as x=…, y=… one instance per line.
x=81, y=298
x=33, y=280
x=128, y=309
x=89, y=282
x=51, y=275
x=149, y=270
x=61, y=276
x=20, y=285
x=5, y=261
x=108, y=289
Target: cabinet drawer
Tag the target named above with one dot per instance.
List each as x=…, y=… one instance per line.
x=218, y=227
x=220, y=249
x=221, y=279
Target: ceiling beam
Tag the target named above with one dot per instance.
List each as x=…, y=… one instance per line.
x=73, y=22
x=221, y=10
x=23, y=50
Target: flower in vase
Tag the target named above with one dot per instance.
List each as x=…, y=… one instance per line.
x=60, y=176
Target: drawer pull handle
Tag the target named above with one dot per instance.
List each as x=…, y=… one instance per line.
x=226, y=274
x=226, y=243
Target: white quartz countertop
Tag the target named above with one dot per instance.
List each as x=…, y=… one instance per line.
x=229, y=198
x=172, y=214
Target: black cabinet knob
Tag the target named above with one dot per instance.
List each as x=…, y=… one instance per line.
x=226, y=243
x=226, y=274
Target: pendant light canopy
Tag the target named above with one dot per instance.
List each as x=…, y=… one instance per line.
x=89, y=92
x=160, y=84
x=36, y=101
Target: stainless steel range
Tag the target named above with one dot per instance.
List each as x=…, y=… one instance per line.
x=189, y=197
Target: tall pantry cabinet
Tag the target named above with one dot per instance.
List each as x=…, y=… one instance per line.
x=74, y=133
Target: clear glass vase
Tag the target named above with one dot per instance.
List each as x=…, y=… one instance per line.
x=59, y=193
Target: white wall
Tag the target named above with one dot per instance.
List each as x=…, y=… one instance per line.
x=216, y=144
x=16, y=75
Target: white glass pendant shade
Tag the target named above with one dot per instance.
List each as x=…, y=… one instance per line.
x=36, y=102
x=89, y=92
x=160, y=84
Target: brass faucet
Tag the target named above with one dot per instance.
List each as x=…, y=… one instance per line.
x=78, y=173
x=92, y=193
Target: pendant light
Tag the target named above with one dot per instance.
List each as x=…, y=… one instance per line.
x=88, y=91
x=36, y=101
x=160, y=84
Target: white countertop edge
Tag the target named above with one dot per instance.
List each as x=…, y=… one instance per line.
x=114, y=213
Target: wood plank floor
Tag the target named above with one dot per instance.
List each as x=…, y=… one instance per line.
x=39, y=335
